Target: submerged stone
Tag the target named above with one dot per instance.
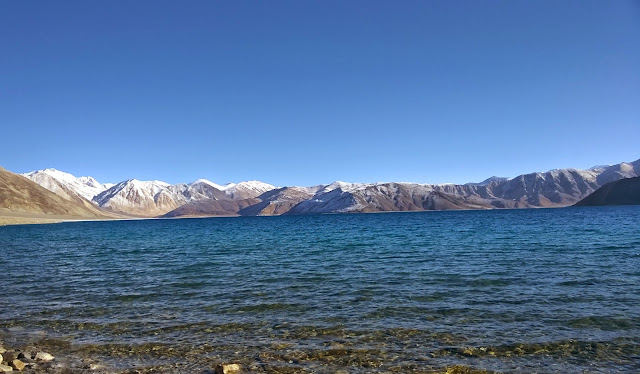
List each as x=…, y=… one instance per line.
x=5, y=368
x=17, y=364
x=44, y=356
x=8, y=356
x=25, y=356
x=227, y=369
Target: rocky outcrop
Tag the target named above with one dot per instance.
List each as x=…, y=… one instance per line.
x=622, y=192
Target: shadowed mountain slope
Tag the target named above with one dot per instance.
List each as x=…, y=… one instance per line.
x=621, y=192
x=211, y=207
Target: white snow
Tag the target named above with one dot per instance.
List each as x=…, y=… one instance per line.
x=344, y=186
x=247, y=189
x=208, y=182
x=56, y=181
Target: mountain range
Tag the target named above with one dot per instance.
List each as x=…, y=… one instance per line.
x=555, y=188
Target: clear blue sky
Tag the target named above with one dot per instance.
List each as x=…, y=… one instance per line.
x=307, y=92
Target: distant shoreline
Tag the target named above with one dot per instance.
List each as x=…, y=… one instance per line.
x=18, y=218
x=8, y=218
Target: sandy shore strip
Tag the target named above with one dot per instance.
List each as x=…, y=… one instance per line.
x=8, y=217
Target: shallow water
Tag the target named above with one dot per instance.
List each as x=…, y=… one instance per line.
x=547, y=290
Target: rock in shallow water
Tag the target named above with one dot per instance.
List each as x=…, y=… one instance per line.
x=25, y=356
x=5, y=368
x=8, y=356
x=44, y=356
x=17, y=364
x=227, y=369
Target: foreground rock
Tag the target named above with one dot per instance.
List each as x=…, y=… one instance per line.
x=17, y=364
x=44, y=356
x=26, y=359
x=227, y=369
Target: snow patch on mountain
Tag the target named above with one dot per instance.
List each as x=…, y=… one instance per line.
x=147, y=198
x=248, y=189
x=63, y=183
x=207, y=182
x=343, y=186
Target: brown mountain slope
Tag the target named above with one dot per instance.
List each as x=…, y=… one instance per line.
x=19, y=194
x=621, y=192
x=279, y=201
x=211, y=207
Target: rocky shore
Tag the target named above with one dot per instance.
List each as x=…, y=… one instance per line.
x=31, y=360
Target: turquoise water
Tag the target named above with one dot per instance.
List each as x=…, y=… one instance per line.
x=548, y=290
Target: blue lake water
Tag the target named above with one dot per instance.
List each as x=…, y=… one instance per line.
x=541, y=290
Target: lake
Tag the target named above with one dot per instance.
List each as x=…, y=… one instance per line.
x=518, y=291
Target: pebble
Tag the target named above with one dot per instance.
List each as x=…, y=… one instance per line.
x=9, y=356
x=25, y=356
x=44, y=356
x=227, y=369
x=17, y=364
x=5, y=368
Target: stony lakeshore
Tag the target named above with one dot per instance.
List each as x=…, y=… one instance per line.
x=33, y=360
x=28, y=360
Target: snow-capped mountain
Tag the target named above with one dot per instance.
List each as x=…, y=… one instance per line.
x=238, y=191
x=246, y=190
x=153, y=198
x=554, y=188
x=209, y=183
x=489, y=181
x=143, y=198
x=67, y=185
x=384, y=197
x=21, y=195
